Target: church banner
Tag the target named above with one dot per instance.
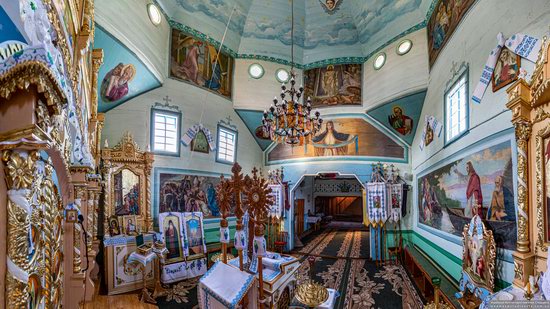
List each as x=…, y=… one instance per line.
x=478, y=183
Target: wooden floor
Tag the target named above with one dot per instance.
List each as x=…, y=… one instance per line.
x=122, y=301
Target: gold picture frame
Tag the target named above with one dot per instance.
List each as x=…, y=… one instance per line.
x=126, y=155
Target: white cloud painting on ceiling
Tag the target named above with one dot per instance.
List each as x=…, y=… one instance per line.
x=262, y=27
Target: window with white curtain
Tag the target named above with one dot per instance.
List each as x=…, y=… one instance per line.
x=227, y=145
x=456, y=109
x=165, y=132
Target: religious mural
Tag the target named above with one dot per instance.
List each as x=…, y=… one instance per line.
x=401, y=115
x=348, y=28
x=480, y=183
x=341, y=137
x=200, y=64
x=123, y=75
x=188, y=193
x=443, y=21
x=115, y=83
x=333, y=85
x=400, y=122
x=506, y=69
x=330, y=6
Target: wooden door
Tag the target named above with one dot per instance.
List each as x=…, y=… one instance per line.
x=299, y=216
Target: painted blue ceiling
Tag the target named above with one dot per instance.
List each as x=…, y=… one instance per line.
x=252, y=120
x=411, y=107
x=112, y=85
x=355, y=28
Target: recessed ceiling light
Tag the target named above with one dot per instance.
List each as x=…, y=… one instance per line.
x=282, y=75
x=404, y=47
x=379, y=61
x=154, y=14
x=256, y=70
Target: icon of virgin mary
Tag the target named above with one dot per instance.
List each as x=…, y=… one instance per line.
x=330, y=142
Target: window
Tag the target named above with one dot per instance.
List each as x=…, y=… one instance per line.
x=456, y=109
x=282, y=75
x=256, y=71
x=379, y=61
x=165, y=132
x=404, y=47
x=227, y=145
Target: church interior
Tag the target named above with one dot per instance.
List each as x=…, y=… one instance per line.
x=333, y=154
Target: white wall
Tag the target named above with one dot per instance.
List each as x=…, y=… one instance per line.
x=472, y=42
x=197, y=106
x=257, y=94
x=129, y=22
x=400, y=75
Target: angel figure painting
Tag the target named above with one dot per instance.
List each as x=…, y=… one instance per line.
x=333, y=85
x=330, y=6
x=200, y=64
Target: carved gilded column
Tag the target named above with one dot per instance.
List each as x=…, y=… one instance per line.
x=79, y=196
x=519, y=103
x=20, y=174
x=34, y=272
x=147, y=171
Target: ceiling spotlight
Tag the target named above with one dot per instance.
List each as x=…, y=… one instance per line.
x=256, y=70
x=404, y=47
x=379, y=61
x=154, y=14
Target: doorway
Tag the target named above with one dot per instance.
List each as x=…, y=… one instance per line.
x=299, y=217
x=341, y=208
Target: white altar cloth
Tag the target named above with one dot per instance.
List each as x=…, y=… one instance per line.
x=224, y=286
x=141, y=259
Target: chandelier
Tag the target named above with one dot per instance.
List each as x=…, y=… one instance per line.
x=289, y=120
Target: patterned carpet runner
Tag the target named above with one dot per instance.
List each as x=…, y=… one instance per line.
x=341, y=263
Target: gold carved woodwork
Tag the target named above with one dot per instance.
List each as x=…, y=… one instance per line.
x=126, y=155
x=529, y=102
x=35, y=271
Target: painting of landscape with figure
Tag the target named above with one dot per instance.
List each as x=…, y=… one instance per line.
x=188, y=193
x=480, y=183
x=333, y=85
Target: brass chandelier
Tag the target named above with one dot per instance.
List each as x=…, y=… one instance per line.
x=289, y=120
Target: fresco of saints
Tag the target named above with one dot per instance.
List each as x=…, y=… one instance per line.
x=401, y=123
x=172, y=241
x=502, y=203
x=473, y=192
x=327, y=143
x=330, y=81
x=441, y=26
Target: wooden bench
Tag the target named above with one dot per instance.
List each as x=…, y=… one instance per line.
x=422, y=270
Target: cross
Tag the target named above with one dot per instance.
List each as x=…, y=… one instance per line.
x=454, y=68
x=167, y=100
x=228, y=118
